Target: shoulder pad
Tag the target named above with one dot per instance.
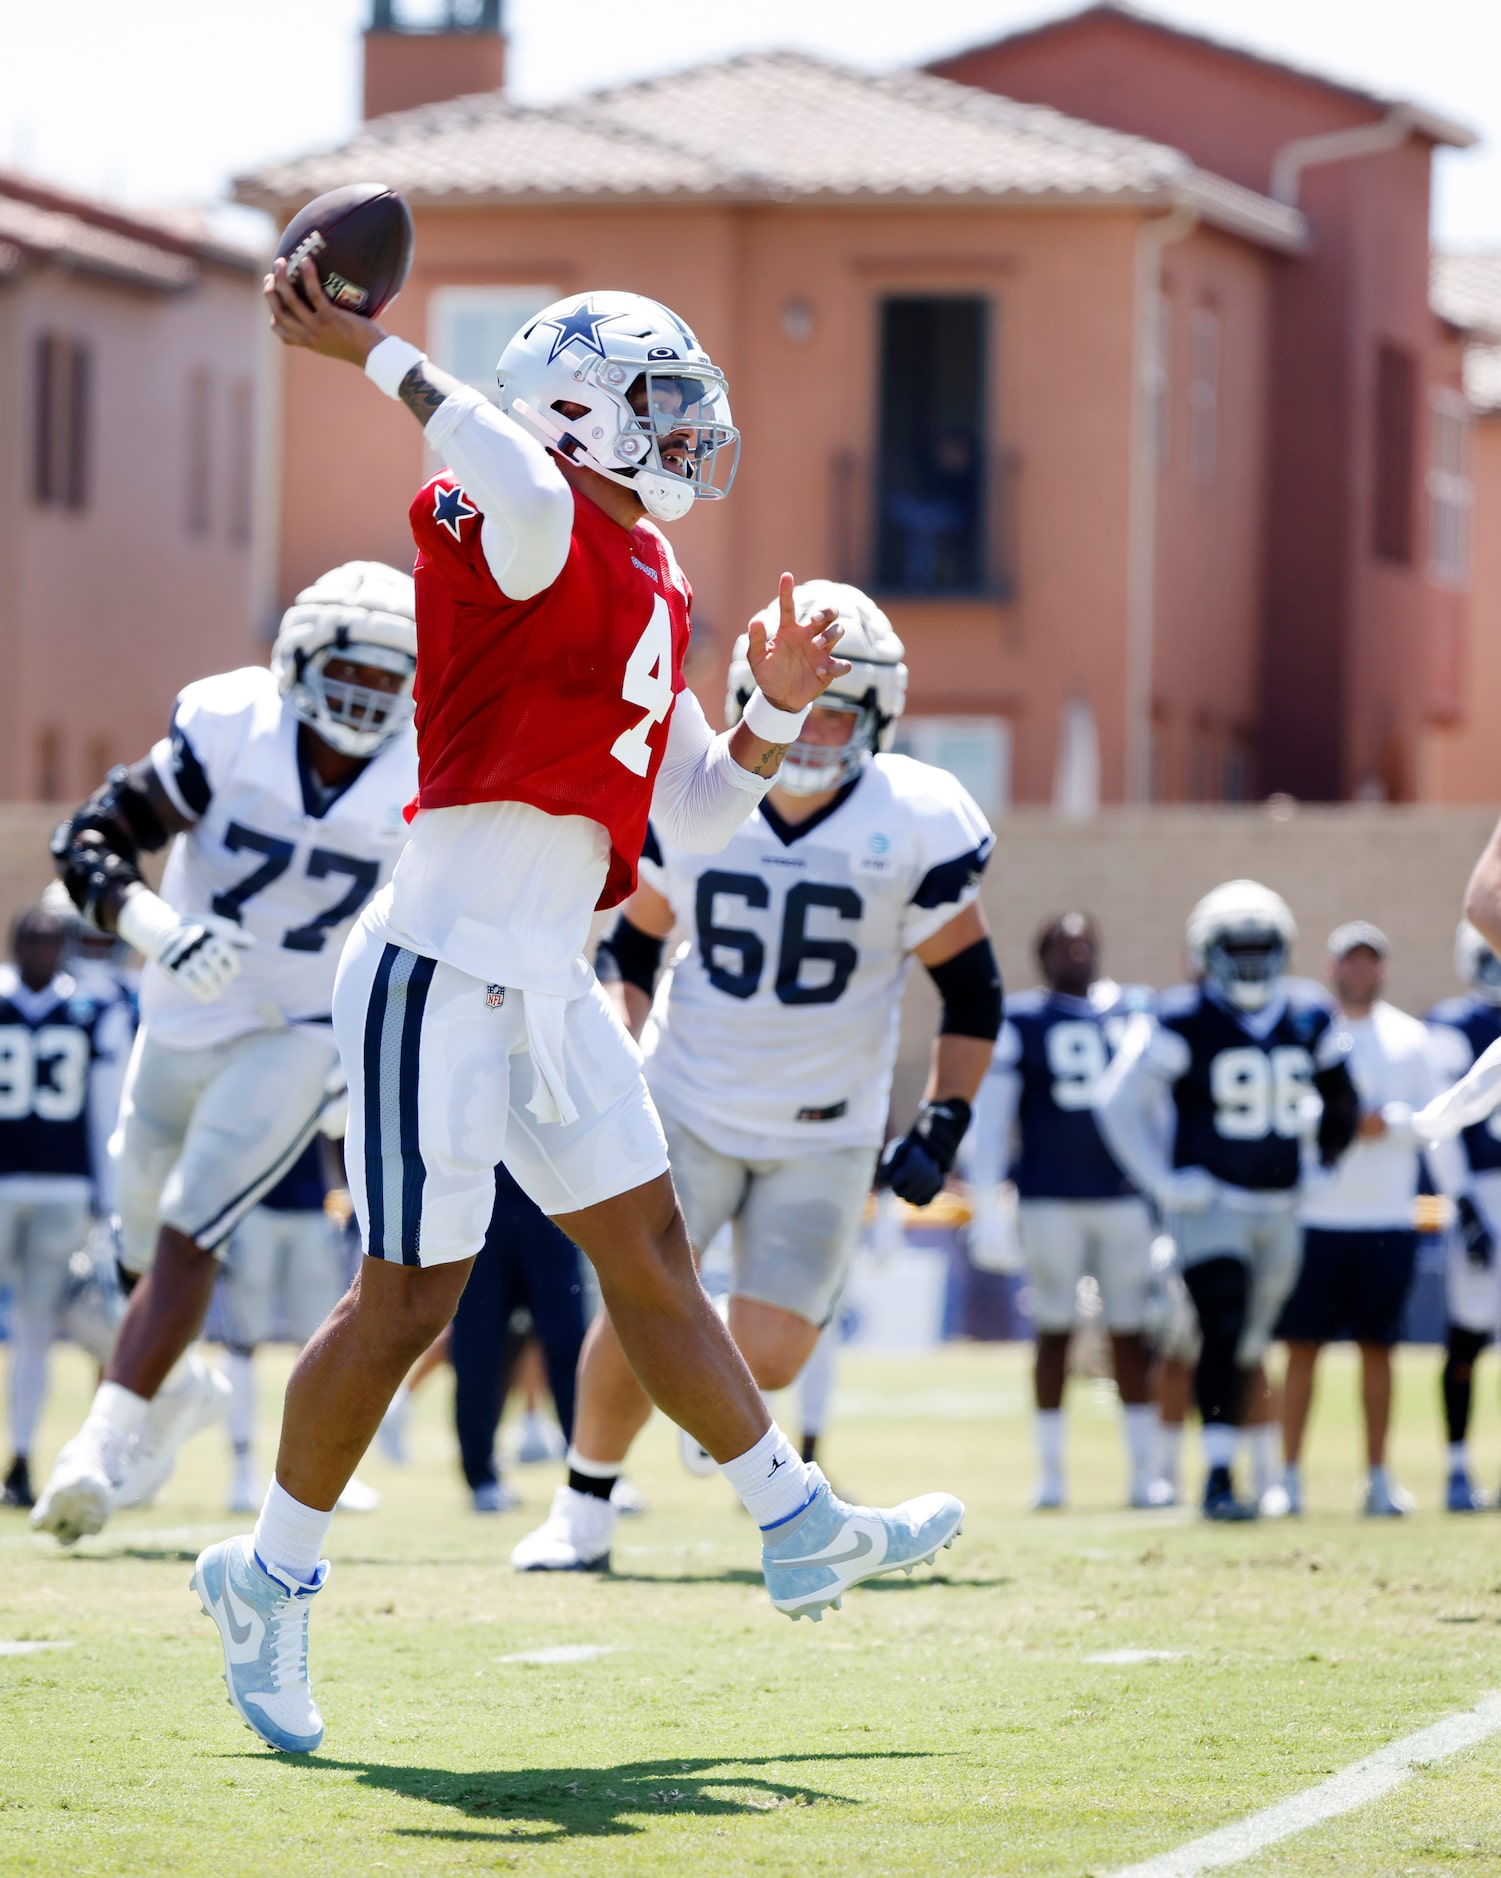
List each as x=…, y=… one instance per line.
x=1178, y=1001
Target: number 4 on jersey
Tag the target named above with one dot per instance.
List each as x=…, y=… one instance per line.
x=648, y=683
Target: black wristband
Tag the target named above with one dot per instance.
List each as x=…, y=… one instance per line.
x=940, y=1127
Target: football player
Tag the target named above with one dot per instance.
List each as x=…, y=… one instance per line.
x=772, y=1042
x=281, y=791
x=1248, y=1055
x=554, y=623
x=62, y=1053
x=1077, y=1213
x=1462, y=1030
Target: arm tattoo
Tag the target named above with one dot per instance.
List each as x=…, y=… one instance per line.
x=770, y=760
x=424, y=388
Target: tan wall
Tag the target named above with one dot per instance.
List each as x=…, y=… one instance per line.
x=1060, y=287
x=1140, y=871
x=105, y=613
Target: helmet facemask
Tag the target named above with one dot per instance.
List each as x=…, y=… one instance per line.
x=808, y=768
x=1246, y=965
x=352, y=718
x=1485, y=975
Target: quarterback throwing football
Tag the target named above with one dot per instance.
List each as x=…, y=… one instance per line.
x=552, y=718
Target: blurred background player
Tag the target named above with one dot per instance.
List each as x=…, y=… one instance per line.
x=1243, y=1051
x=285, y=1268
x=773, y=1037
x=1077, y=1213
x=1462, y=1029
x=284, y=790
x=62, y=1056
x=524, y=1261
x=1360, y=1244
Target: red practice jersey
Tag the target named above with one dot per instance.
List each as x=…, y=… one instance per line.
x=561, y=701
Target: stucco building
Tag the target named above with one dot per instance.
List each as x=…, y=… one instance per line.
x=132, y=479
x=1103, y=355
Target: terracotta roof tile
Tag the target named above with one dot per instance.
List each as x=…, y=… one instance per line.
x=74, y=242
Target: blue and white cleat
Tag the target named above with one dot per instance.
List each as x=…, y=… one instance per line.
x=1462, y=1496
x=812, y=1559
x=262, y=1617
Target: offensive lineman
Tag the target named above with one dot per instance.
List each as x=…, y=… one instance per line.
x=1077, y=1213
x=284, y=789
x=62, y=1052
x=554, y=718
x=1242, y=1051
x=773, y=1037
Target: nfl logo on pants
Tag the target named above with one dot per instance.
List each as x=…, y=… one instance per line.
x=495, y=996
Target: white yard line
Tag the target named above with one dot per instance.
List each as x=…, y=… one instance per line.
x=28, y=1649
x=1135, y=1656
x=563, y=1653
x=1355, y=1786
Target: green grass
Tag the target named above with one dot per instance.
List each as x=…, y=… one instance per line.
x=946, y=1724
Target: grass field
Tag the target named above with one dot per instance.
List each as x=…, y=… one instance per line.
x=953, y=1723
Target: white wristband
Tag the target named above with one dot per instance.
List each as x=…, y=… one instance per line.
x=770, y=724
x=390, y=362
x=146, y=922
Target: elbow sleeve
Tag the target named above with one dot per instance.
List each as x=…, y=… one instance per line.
x=1341, y=1114
x=629, y=956
x=97, y=847
x=970, y=987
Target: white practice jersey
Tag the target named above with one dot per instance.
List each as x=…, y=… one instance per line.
x=776, y=1026
x=270, y=848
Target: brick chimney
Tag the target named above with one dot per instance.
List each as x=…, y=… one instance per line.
x=407, y=63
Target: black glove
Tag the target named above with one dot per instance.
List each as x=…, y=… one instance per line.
x=914, y=1166
x=1480, y=1245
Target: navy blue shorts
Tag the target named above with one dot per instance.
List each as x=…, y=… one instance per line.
x=1353, y=1285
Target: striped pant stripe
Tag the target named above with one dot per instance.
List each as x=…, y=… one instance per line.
x=394, y=1169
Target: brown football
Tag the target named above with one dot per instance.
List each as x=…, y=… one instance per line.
x=360, y=240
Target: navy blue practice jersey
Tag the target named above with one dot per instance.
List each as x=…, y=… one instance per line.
x=302, y=1189
x=1241, y=1081
x=1463, y=1029
x=52, y=1043
x=1057, y=1048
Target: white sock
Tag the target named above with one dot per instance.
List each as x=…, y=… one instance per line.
x=30, y=1342
x=240, y=1370
x=116, y=1416
x=1047, y=1429
x=1169, y=1451
x=816, y=1384
x=1219, y=1444
x=1139, y=1425
x=290, y=1535
x=773, y=1483
x=1263, y=1444
x=1459, y=1457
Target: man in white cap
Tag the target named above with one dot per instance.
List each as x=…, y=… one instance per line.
x=1359, y=1243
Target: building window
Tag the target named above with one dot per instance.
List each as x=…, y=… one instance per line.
x=930, y=493
x=1396, y=418
x=975, y=749
x=1203, y=393
x=1200, y=777
x=1157, y=380
x=61, y=421
x=1237, y=778
x=1450, y=492
x=240, y=482
x=469, y=327
x=197, y=455
x=49, y=764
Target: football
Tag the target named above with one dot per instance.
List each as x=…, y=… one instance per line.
x=360, y=240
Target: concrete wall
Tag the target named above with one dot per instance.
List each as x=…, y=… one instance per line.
x=1140, y=871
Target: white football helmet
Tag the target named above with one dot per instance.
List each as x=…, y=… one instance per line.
x=1476, y=964
x=642, y=378
x=872, y=692
x=363, y=611
x=1239, y=937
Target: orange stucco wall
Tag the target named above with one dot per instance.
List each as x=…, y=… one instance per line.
x=1462, y=762
x=106, y=612
x=1061, y=290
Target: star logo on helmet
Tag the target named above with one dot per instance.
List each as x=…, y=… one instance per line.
x=451, y=509
x=580, y=327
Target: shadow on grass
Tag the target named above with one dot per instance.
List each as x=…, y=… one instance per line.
x=542, y=1805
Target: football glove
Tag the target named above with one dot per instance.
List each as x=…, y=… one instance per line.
x=1474, y=1230
x=914, y=1167
x=1187, y=1190
x=202, y=954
